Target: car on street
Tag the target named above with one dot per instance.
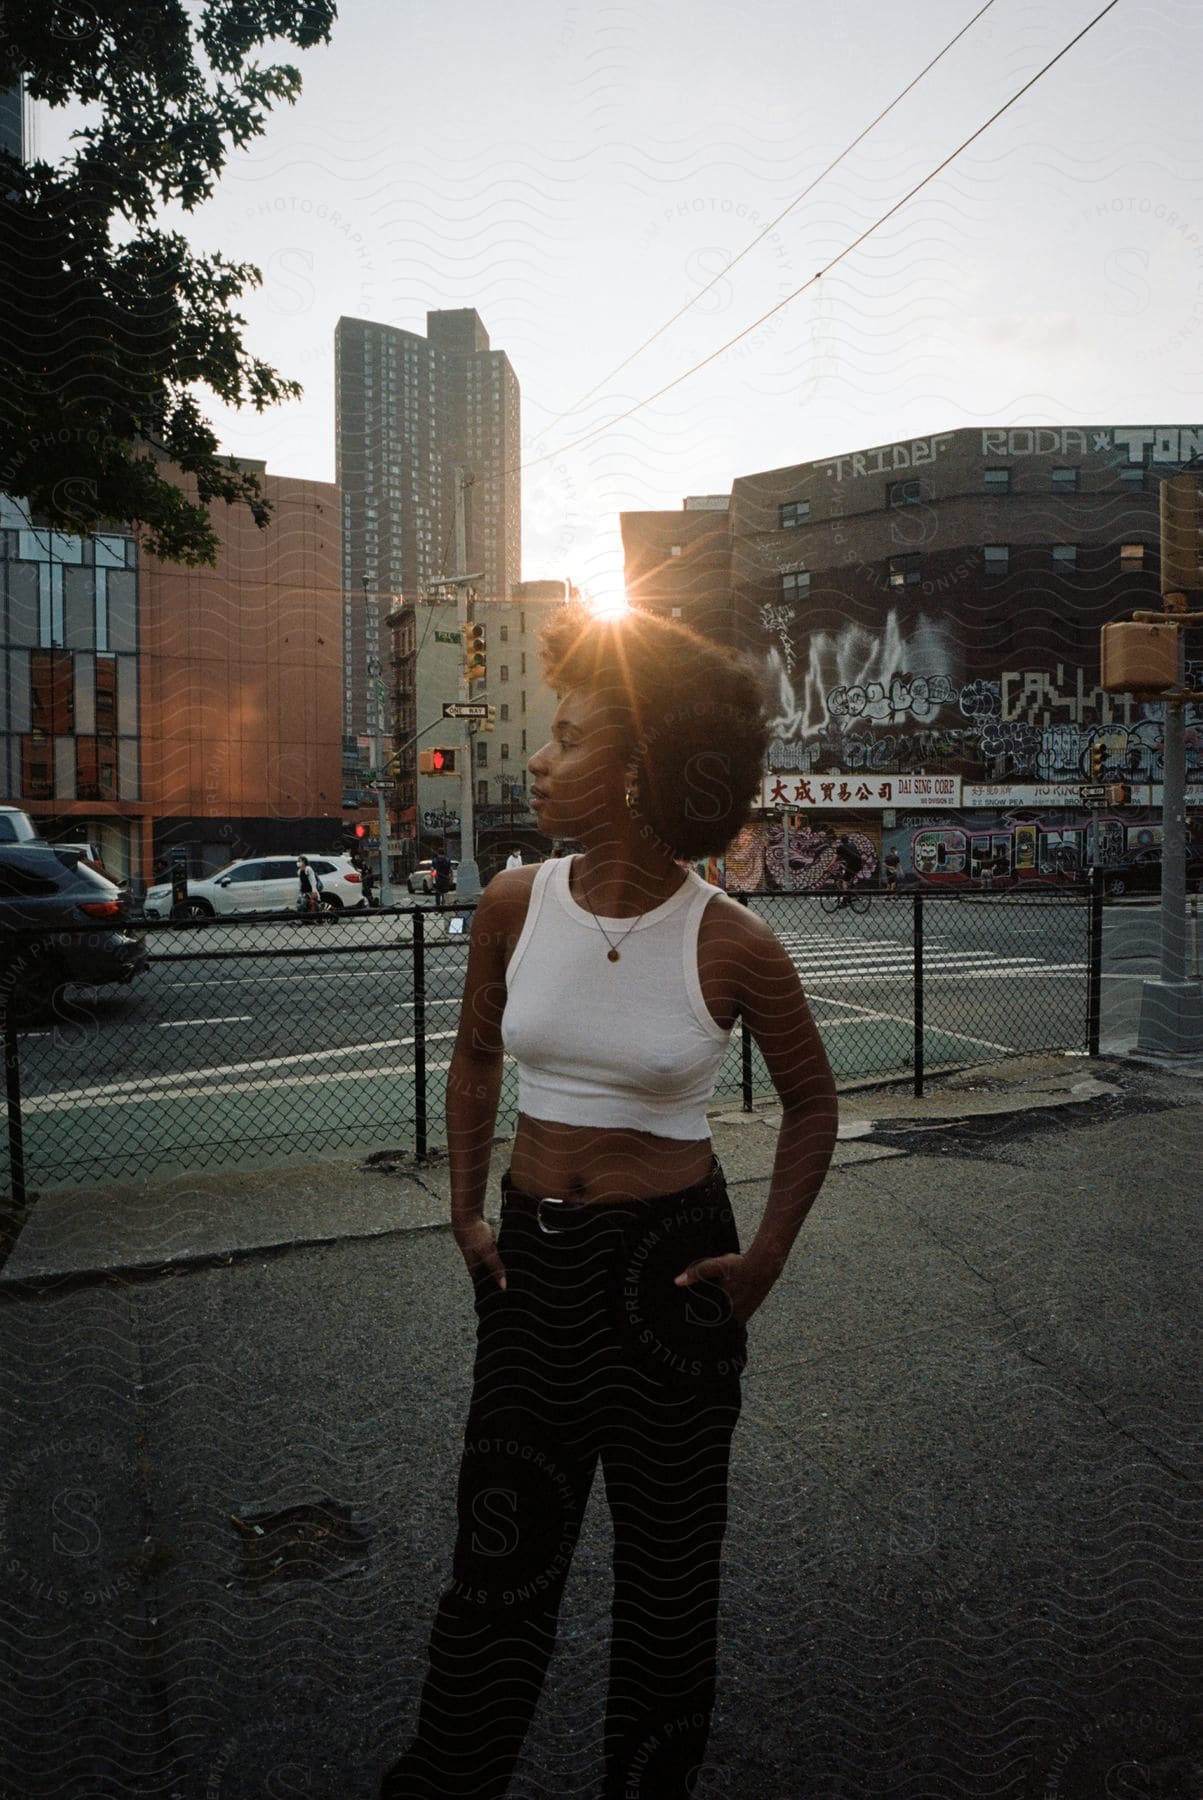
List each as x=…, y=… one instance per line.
x=61, y=925
x=16, y=827
x=259, y=884
x=421, y=879
x=1140, y=873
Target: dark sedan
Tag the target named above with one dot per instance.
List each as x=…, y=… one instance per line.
x=61, y=924
x=1140, y=873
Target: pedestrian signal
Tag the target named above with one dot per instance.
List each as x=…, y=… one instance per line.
x=436, y=762
x=474, y=652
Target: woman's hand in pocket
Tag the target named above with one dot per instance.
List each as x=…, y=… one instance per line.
x=478, y=1247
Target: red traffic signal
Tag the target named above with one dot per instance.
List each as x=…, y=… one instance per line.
x=361, y=830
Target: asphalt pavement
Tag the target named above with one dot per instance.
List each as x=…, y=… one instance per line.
x=962, y=1556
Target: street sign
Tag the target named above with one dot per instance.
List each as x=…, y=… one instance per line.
x=465, y=709
x=1093, y=794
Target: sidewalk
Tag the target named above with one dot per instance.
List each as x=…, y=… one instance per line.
x=964, y=1492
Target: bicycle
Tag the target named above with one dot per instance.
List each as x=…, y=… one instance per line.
x=843, y=899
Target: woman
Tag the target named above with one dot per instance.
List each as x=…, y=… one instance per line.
x=613, y=1303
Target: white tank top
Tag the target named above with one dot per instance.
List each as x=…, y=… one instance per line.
x=620, y=1044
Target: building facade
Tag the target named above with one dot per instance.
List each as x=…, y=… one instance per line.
x=427, y=662
x=930, y=613
x=413, y=414
x=241, y=677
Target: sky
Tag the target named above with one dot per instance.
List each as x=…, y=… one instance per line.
x=578, y=174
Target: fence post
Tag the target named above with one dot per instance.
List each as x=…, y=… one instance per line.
x=745, y=1045
x=16, y=1135
x=1094, y=976
x=419, y=965
x=917, y=937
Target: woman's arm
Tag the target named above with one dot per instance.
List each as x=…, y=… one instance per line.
x=474, y=1079
x=772, y=1003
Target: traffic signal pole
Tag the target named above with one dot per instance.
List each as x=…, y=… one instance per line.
x=467, y=878
x=1171, y=1008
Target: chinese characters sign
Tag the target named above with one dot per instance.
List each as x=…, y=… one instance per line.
x=850, y=793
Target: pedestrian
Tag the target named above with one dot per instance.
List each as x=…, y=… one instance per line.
x=612, y=1305
x=514, y=859
x=441, y=871
x=892, y=870
x=368, y=879
x=309, y=883
x=1001, y=867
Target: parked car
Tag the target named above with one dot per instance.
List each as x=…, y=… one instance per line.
x=1140, y=873
x=85, y=852
x=16, y=827
x=421, y=879
x=92, y=942
x=259, y=884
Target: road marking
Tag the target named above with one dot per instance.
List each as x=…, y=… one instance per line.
x=217, y=1090
x=231, y=1019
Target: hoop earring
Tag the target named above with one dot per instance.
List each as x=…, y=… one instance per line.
x=630, y=799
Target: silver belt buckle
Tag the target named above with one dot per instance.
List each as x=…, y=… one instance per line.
x=548, y=1200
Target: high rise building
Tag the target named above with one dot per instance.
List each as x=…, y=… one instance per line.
x=409, y=412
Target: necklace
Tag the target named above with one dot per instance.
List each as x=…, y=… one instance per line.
x=612, y=952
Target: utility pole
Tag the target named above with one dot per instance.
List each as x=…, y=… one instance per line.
x=1149, y=655
x=467, y=876
x=386, y=888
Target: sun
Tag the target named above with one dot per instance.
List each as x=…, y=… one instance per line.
x=607, y=603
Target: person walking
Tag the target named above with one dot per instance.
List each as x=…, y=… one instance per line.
x=441, y=871
x=514, y=859
x=613, y=1302
x=892, y=870
x=310, y=885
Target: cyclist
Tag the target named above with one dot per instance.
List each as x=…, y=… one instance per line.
x=850, y=864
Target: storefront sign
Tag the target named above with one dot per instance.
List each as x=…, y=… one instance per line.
x=855, y=793
x=1058, y=793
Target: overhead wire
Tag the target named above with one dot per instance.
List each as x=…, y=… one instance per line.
x=598, y=430
x=773, y=223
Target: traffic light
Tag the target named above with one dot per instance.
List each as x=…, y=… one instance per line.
x=361, y=830
x=487, y=723
x=1098, y=758
x=436, y=762
x=1181, y=534
x=474, y=652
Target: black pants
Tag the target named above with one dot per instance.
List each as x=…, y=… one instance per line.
x=590, y=1354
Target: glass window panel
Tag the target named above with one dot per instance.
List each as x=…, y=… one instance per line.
x=34, y=546
x=109, y=552
x=122, y=610
x=66, y=549
x=85, y=694
x=64, y=768
x=86, y=785
x=19, y=687
x=45, y=613
x=79, y=609
x=22, y=603
x=127, y=695
x=37, y=768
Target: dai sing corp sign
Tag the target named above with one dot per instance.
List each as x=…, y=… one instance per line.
x=850, y=793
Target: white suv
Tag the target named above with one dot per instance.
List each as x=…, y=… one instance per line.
x=260, y=884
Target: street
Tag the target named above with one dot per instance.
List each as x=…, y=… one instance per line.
x=249, y=1044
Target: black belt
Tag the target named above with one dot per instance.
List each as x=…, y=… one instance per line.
x=554, y=1213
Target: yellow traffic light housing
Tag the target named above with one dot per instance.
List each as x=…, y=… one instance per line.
x=1181, y=534
x=1098, y=759
x=474, y=653
x=1139, y=658
x=490, y=720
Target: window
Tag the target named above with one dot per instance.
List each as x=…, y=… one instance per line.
x=1131, y=559
x=504, y=672
x=905, y=571
x=996, y=558
x=674, y=612
x=1133, y=478
x=996, y=481
x=482, y=793
x=795, y=583
x=482, y=754
x=505, y=634
x=1065, y=556
x=281, y=871
x=792, y=514
x=903, y=493
x=503, y=712
x=522, y=660
x=255, y=871
x=524, y=743
x=505, y=753
x=1065, y=481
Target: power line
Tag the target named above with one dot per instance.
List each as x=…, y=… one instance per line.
x=597, y=431
x=773, y=223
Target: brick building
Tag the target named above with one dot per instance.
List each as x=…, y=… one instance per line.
x=930, y=612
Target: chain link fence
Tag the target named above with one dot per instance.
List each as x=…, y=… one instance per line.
x=272, y=1042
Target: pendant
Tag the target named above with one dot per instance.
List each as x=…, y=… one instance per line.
x=611, y=956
